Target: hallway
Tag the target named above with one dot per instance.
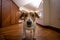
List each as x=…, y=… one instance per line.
x=48, y=21
x=14, y=32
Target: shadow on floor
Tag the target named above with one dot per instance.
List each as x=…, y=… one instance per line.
x=50, y=27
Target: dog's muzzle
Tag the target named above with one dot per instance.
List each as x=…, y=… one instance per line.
x=29, y=23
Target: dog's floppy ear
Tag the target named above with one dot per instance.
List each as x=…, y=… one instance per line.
x=22, y=15
x=36, y=15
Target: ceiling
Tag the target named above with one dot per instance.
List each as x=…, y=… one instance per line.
x=28, y=4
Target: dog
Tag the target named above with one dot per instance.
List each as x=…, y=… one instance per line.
x=29, y=22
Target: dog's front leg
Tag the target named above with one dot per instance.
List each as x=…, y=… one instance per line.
x=34, y=34
x=24, y=33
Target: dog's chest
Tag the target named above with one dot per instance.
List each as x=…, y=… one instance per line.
x=29, y=28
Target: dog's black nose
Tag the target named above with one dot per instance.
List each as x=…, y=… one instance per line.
x=29, y=22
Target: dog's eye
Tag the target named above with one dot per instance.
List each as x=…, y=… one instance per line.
x=25, y=15
x=32, y=15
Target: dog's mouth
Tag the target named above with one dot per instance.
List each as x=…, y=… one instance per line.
x=28, y=25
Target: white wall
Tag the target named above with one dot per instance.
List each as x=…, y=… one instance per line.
x=54, y=12
x=46, y=12
x=40, y=20
x=44, y=8
x=51, y=11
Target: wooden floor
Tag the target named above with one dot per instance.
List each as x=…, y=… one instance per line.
x=14, y=32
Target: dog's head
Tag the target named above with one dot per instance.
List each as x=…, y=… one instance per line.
x=29, y=18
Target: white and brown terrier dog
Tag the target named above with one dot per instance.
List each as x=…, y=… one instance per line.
x=29, y=22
